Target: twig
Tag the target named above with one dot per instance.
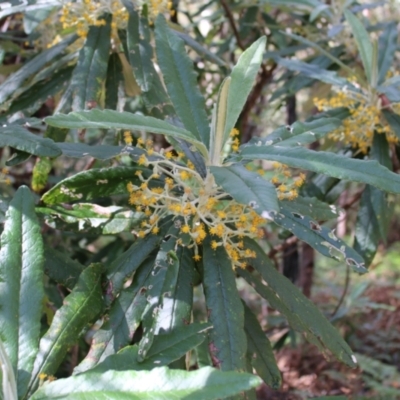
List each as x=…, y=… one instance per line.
x=346, y=287
x=232, y=24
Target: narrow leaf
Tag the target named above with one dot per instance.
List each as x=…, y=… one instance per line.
x=99, y=151
x=318, y=237
x=243, y=78
x=21, y=285
x=88, y=217
x=300, y=133
x=160, y=291
x=166, y=349
x=122, y=321
x=367, y=231
x=331, y=164
x=225, y=311
x=218, y=123
x=113, y=80
x=110, y=119
x=61, y=268
x=159, y=383
x=297, y=308
x=312, y=207
x=80, y=307
x=91, y=70
x=18, y=137
x=128, y=262
x=93, y=183
x=177, y=304
x=315, y=72
x=14, y=81
x=363, y=42
x=181, y=81
x=263, y=359
x=139, y=48
x=247, y=187
x=387, y=46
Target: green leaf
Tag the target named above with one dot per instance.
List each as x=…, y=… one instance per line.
x=321, y=50
x=177, y=306
x=18, y=137
x=247, y=187
x=393, y=120
x=159, y=383
x=370, y=172
x=263, y=359
x=113, y=80
x=243, y=78
x=32, y=99
x=99, y=151
x=61, y=268
x=8, y=386
x=367, y=233
x=97, y=182
x=300, y=133
x=301, y=313
x=387, y=47
x=202, y=51
x=110, y=119
x=160, y=291
x=122, y=321
x=218, y=123
x=21, y=285
x=14, y=81
x=312, y=207
x=315, y=72
x=91, y=70
x=139, y=48
x=225, y=310
x=181, y=81
x=363, y=42
x=87, y=217
x=318, y=237
x=375, y=213
x=166, y=348
x=80, y=307
x=17, y=157
x=129, y=261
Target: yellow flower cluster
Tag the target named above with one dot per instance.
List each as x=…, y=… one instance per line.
x=365, y=108
x=287, y=186
x=158, y=7
x=81, y=15
x=199, y=206
x=3, y=176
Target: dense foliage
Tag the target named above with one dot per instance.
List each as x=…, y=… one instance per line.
x=149, y=171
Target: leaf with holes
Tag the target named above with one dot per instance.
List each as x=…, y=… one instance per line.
x=320, y=238
x=301, y=313
x=94, y=183
x=88, y=217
